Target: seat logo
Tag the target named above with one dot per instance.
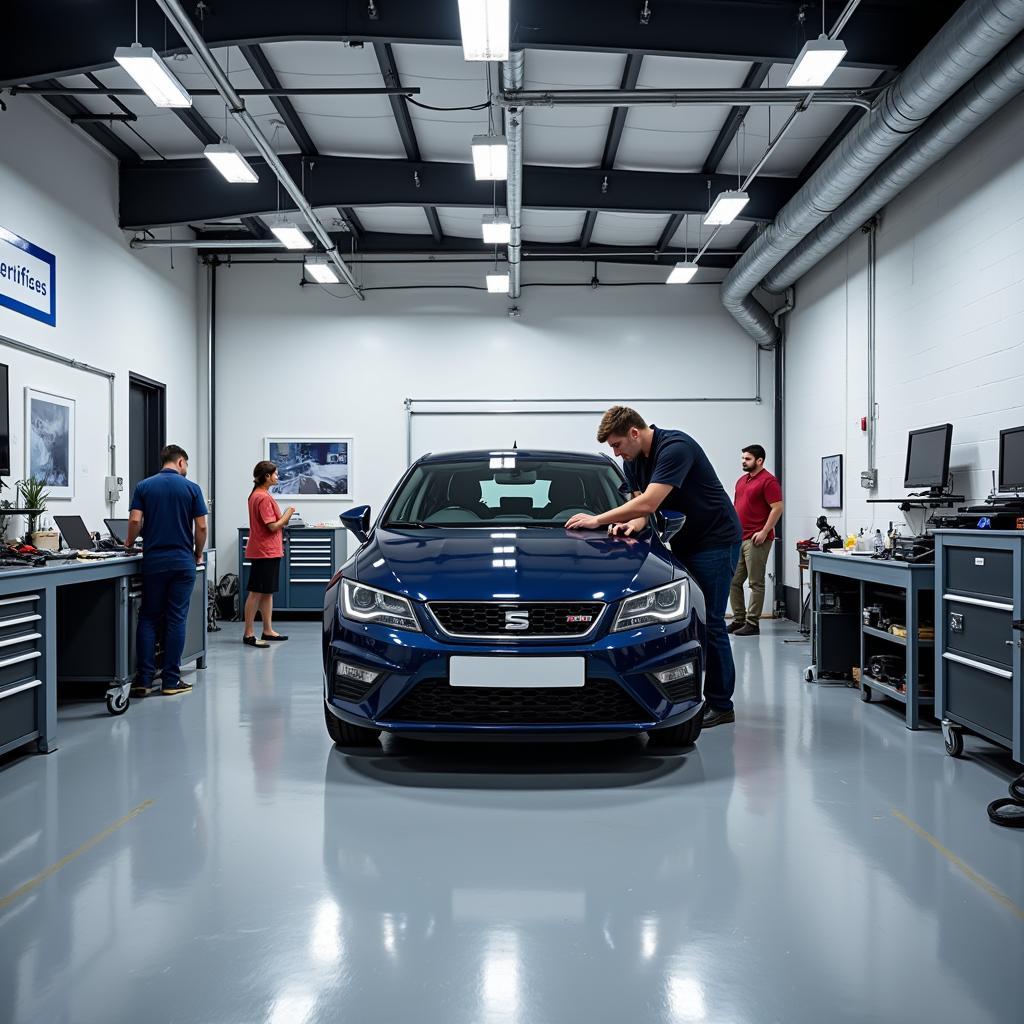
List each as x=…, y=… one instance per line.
x=579, y=618
x=517, y=620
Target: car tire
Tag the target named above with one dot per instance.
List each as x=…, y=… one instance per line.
x=345, y=734
x=684, y=735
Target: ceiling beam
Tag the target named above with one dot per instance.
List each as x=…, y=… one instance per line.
x=671, y=227
x=112, y=143
x=168, y=192
x=755, y=76
x=257, y=60
x=54, y=39
x=630, y=75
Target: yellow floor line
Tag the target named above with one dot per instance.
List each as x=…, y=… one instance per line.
x=34, y=883
x=953, y=859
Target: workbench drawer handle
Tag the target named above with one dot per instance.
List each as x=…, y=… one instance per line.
x=1001, y=672
x=19, y=600
x=998, y=605
x=31, y=684
x=309, y=561
x=18, y=658
x=308, y=581
x=24, y=638
x=20, y=621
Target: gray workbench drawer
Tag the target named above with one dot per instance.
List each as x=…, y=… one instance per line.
x=984, y=631
x=979, y=695
x=18, y=711
x=983, y=572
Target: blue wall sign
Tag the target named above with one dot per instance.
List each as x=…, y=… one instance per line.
x=28, y=278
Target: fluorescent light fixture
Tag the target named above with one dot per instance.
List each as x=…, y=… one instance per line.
x=490, y=157
x=230, y=163
x=816, y=62
x=497, y=284
x=484, y=25
x=289, y=235
x=320, y=270
x=497, y=230
x=152, y=76
x=726, y=207
x=682, y=273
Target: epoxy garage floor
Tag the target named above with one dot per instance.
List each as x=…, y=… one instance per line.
x=211, y=858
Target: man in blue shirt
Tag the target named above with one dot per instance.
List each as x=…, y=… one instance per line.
x=668, y=469
x=170, y=510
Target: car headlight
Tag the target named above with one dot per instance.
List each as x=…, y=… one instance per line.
x=368, y=604
x=666, y=604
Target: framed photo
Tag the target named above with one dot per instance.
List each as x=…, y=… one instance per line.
x=311, y=468
x=832, y=481
x=50, y=441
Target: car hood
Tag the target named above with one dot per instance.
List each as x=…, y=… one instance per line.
x=523, y=564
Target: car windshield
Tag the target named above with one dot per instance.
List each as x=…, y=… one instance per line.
x=504, y=489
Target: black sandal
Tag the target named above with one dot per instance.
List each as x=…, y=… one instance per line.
x=251, y=641
x=273, y=639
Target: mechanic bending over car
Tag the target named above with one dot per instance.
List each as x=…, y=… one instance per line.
x=668, y=469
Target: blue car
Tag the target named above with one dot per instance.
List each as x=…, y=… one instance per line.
x=470, y=611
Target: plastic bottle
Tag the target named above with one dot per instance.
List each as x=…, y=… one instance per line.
x=879, y=544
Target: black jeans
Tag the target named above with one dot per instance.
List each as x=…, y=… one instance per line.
x=166, y=596
x=712, y=570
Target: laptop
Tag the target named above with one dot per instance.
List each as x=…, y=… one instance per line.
x=118, y=529
x=75, y=533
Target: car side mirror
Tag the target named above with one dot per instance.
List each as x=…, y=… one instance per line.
x=357, y=521
x=669, y=524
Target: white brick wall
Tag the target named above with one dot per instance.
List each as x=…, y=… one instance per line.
x=949, y=336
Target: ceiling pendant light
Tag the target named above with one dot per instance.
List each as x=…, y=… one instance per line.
x=490, y=157
x=230, y=162
x=484, y=25
x=497, y=230
x=152, y=76
x=726, y=207
x=288, y=233
x=682, y=273
x=320, y=270
x=497, y=284
x=816, y=62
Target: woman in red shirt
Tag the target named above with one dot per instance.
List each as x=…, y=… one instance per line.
x=264, y=551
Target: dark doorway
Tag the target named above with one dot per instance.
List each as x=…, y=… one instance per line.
x=147, y=427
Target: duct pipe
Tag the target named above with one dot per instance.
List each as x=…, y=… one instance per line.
x=190, y=34
x=965, y=44
x=977, y=101
x=200, y=243
x=512, y=97
x=512, y=77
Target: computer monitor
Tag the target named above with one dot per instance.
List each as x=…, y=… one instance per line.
x=928, y=457
x=1011, y=459
x=118, y=529
x=5, y=423
x=75, y=533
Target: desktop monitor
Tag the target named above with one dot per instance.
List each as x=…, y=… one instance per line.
x=928, y=456
x=5, y=423
x=75, y=533
x=118, y=529
x=1011, y=459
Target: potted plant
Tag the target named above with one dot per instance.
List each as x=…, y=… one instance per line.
x=35, y=496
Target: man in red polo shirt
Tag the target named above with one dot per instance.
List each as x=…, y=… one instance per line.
x=759, y=506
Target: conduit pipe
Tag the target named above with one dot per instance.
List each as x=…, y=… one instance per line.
x=190, y=34
x=965, y=44
x=512, y=77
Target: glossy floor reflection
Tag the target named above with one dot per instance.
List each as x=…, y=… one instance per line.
x=761, y=877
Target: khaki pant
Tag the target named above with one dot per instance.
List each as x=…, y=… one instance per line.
x=750, y=569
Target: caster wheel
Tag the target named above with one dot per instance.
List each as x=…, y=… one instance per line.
x=865, y=694
x=954, y=740
x=117, y=704
x=808, y=675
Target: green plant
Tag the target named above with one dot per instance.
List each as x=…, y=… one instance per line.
x=35, y=496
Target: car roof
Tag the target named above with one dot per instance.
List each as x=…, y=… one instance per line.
x=535, y=454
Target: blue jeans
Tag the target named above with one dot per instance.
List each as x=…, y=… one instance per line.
x=165, y=596
x=712, y=570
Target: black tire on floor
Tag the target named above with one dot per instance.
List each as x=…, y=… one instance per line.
x=954, y=742
x=684, y=735
x=347, y=735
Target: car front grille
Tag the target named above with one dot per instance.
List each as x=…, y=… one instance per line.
x=599, y=701
x=480, y=620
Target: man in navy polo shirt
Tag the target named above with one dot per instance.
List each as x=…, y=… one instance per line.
x=170, y=510
x=668, y=469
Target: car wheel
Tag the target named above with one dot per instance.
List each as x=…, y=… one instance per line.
x=684, y=735
x=348, y=735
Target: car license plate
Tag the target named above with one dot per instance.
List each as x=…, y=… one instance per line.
x=531, y=673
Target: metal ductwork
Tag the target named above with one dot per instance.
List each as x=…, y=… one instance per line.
x=965, y=44
x=512, y=78
x=187, y=30
x=975, y=103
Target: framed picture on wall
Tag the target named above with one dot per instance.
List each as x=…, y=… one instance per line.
x=832, y=481
x=50, y=441
x=310, y=467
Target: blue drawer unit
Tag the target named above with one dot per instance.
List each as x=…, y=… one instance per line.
x=312, y=556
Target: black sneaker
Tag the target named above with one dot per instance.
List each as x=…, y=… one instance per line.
x=713, y=717
x=736, y=625
x=273, y=637
x=252, y=641
x=748, y=630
